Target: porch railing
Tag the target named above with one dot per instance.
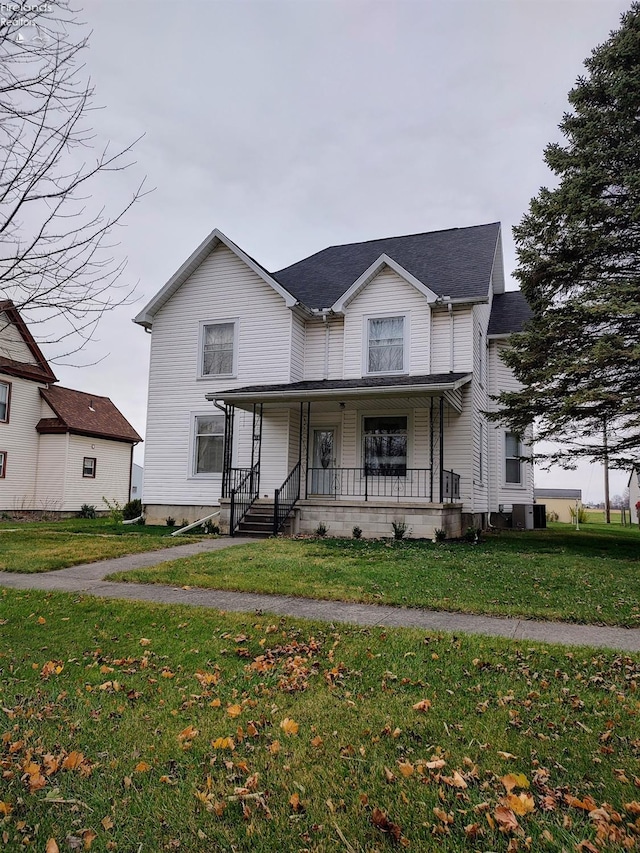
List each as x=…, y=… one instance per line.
x=244, y=485
x=397, y=485
x=285, y=498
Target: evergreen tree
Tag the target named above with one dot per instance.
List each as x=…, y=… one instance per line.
x=579, y=267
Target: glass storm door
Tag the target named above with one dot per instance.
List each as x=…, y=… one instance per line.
x=323, y=476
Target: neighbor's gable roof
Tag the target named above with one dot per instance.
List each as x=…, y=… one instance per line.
x=559, y=494
x=85, y=414
x=38, y=372
x=457, y=262
x=509, y=313
x=145, y=317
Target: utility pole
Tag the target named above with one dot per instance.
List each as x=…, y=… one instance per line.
x=605, y=445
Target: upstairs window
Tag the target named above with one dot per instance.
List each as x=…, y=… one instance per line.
x=218, y=349
x=513, y=463
x=385, y=345
x=208, y=444
x=385, y=446
x=5, y=396
x=3, y=464
x=89, y=466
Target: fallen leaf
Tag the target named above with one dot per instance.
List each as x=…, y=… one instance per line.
x=73, y=760
x=234, y=710
x=88, y=837
x=142, y=767
x=274, y=748
x=294, y=802
x=223, y=743
x=506, y=755
x=436, y=764
x=455, y=781
x=316, y=741
x=521, y=804
x=42, y=621
x=144, y=641
x=289, y=727
x=52, y=846
x=423, y=705
x=107, y=823
x=514, y=780
x=506, y=819
x=5, y=808
x=188, y=734
x=406, y=768
x=441, y=814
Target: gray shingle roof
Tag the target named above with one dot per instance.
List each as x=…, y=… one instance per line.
x=457, y=263
x=309, y=385
x=571, y=494
x=509, y=312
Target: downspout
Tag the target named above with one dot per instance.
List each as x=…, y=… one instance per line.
x=451, y=331
x=325, y=312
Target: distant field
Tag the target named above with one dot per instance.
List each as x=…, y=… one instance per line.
x=596, y=516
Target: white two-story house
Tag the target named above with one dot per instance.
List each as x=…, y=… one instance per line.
x=349, y=389
x=59, y=448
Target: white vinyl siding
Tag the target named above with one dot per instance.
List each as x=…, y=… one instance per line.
x=112, y=472
x=387, y=295
x=19, y=440
x=452, y=348
x=324, y=348
x=263, y=356
x=12, y=344
x=297, y=348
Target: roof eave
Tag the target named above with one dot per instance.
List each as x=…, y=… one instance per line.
x=333, y=393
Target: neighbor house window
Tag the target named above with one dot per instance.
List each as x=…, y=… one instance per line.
x=89, y=466
x=208, y=444
x=5, y=397
x=385, y=345
x=513, y=463
x=385, y=446
x=218, y=349
x=3, y=464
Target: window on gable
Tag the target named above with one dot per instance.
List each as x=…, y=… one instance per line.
x=385, y=345
x=513, y=463
x=208, y=444
x=89, y=466
x=218, y=347
x=5, y=396
x=385, y=446
x=3, y=464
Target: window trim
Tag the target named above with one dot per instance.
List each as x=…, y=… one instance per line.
x=193, y=444
x=409, y=434
x=386, y=315
x=3, y=466
x=95, y=466
x=513, y=484
x=6, y=419
x=234, y=366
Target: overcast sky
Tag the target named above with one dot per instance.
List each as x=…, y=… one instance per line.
x=292, y=126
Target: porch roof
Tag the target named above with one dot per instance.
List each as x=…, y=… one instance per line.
x=433, y=384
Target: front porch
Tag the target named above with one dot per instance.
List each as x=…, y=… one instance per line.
x=340, y=455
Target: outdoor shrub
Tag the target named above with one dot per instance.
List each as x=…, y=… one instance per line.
x=184, y=522
x=115, y=510
x=87, y=511
x=472, y=534
x=582, y=514
x=440, y=534
x=357, y=532
x=321, y=529
x=141, y=521
x=170, y=521
x=132, y=509
x=552, y=515
x=400, y=530
x=210, y=527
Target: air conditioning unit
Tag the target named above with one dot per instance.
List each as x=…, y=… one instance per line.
x=522, y=517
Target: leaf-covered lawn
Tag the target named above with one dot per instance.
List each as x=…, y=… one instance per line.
x=133, y=726
x=44, y=546
x=590, y=576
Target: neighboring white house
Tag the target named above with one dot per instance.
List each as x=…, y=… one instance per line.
x=559, y=502
x=350, y=387
x=136, y=482
x=59, y=448
x=634, y=494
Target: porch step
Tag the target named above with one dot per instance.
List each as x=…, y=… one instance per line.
x=258, y=521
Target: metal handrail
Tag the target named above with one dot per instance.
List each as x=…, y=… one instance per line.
x=285, y=498
x=243, y=495
x=396, y=482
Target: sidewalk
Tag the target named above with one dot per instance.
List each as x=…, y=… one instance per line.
x=88, y=578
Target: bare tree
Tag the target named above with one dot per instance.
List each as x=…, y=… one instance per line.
x=56, y=243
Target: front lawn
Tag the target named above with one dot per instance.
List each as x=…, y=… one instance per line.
x=137, y=727
x=589, y=576
x=44, y=546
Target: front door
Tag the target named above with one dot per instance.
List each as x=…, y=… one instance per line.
x=323, y=475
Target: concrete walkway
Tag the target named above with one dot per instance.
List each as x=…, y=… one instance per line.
x=88, y=578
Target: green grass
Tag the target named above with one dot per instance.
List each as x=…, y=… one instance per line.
x=590, y=576
x=116, y=714
x=44, y=546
